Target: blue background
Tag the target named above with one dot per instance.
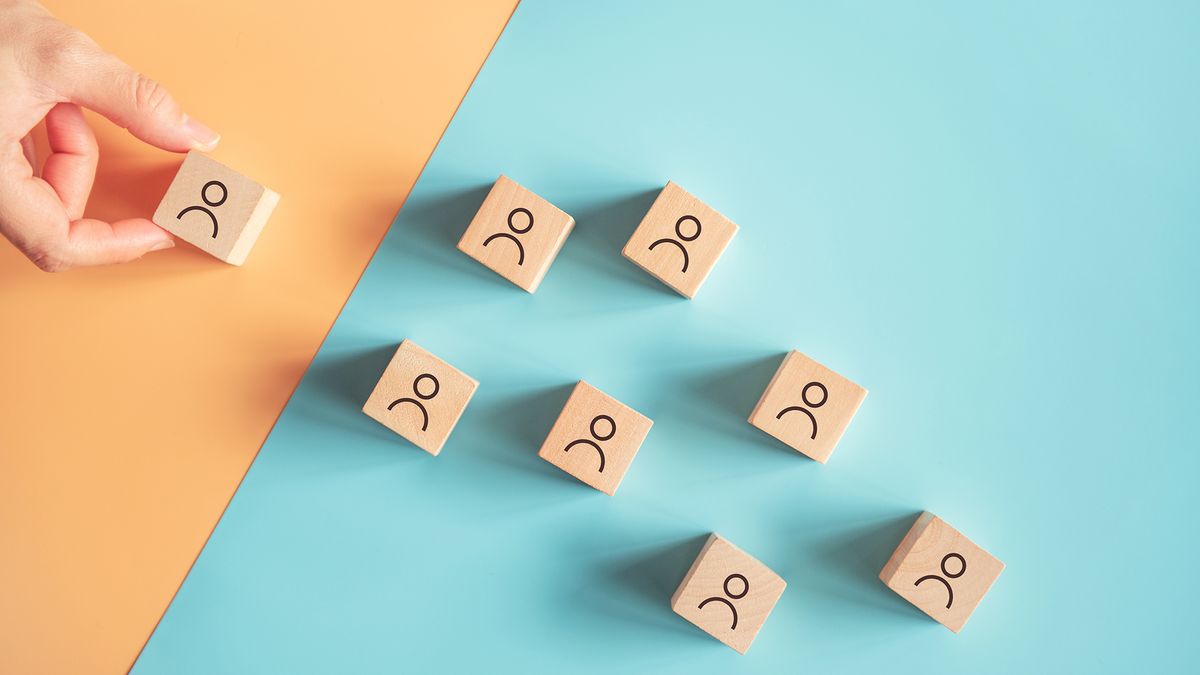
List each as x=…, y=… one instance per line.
x=985, y=213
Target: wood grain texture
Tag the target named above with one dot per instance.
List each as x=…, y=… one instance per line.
x=940, y=571
x=595, y=438
x=728, y=593
x=420, y=397
x=516, y=234
x=215, y=208
x=680, y=240
x=807, y=406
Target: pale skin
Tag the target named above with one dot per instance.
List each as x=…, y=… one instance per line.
x=50, y=72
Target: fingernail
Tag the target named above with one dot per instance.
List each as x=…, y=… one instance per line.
x=168, y=243
x=202, y=137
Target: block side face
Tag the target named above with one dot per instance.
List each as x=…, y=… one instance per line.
x=254, y=227
x=207, y=198
x=808, y=406
x=595, y=438
x=680, y=231
x=729, y=594
x=420, y=397
x=945, y=574
x=516, y=234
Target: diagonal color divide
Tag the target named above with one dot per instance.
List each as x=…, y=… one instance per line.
x=133, y=398
x=937, y=200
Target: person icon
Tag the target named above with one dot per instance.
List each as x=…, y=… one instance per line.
x=515, y=230
x=682, y=238
x=612, y=431
x=810, y=404
x=214, y=203
x=962, y=562
x=424, y=397
x=730, y=596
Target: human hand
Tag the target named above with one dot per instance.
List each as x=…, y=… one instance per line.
x=50, y=71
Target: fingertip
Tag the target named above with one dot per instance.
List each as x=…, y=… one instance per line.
x=154, y=237
x=162, y=245
x=95, y=242
x=203, y=138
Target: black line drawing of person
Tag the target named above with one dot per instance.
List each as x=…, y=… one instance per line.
x=731, y=595
x=416, y=386
x=612, y=431
x=682, y=238
x=210, y=202
x=949, y=591
x=516, y=230
x=810, y=404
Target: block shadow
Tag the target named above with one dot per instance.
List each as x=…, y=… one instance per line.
x=340, y=384
x=721, y=398
x=637, y=588
x=851, y=559
x=427, y=230
x=323, y=431
x=509, y=430
x=601, y=231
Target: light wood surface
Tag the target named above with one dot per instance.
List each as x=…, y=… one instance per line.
x=807, y=406
x=516, y=234
x=215, y=208
x=595, y=438
x=728, y=593
x=939, y=570
x=420, y=397
x=680, y=240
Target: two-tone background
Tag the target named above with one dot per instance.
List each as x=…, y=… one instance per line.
x=983, y=214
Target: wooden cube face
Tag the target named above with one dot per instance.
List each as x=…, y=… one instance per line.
x=940, y=571
x=679, y=240
x=516, y=234
x=420, y=397
x=215, y=208
x=807, y=406
x=595, y=438
x=727, y=593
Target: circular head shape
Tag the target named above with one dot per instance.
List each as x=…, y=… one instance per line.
x=612, y=427
x=214, y=202
x=417, y=386
x=679, y=228
x=745, y=586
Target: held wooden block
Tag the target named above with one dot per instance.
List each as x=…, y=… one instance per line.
x=940, y=571
x=679, y=240
x=807, y=406
x=215, y=208
x=727, y=593
x=595, y=438
x=420, y=397
x=516, y=234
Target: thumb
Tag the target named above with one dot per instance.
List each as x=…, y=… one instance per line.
x=91, y=77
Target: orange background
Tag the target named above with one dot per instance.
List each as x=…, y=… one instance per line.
x=135, y=397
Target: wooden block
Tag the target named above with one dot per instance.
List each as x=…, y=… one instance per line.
x=727, y=593
x=807, y=406
x=595, y=438
x=679, y=240
x=940, y=571
x=420, y=397
x=516, y=234
x=215, y=208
